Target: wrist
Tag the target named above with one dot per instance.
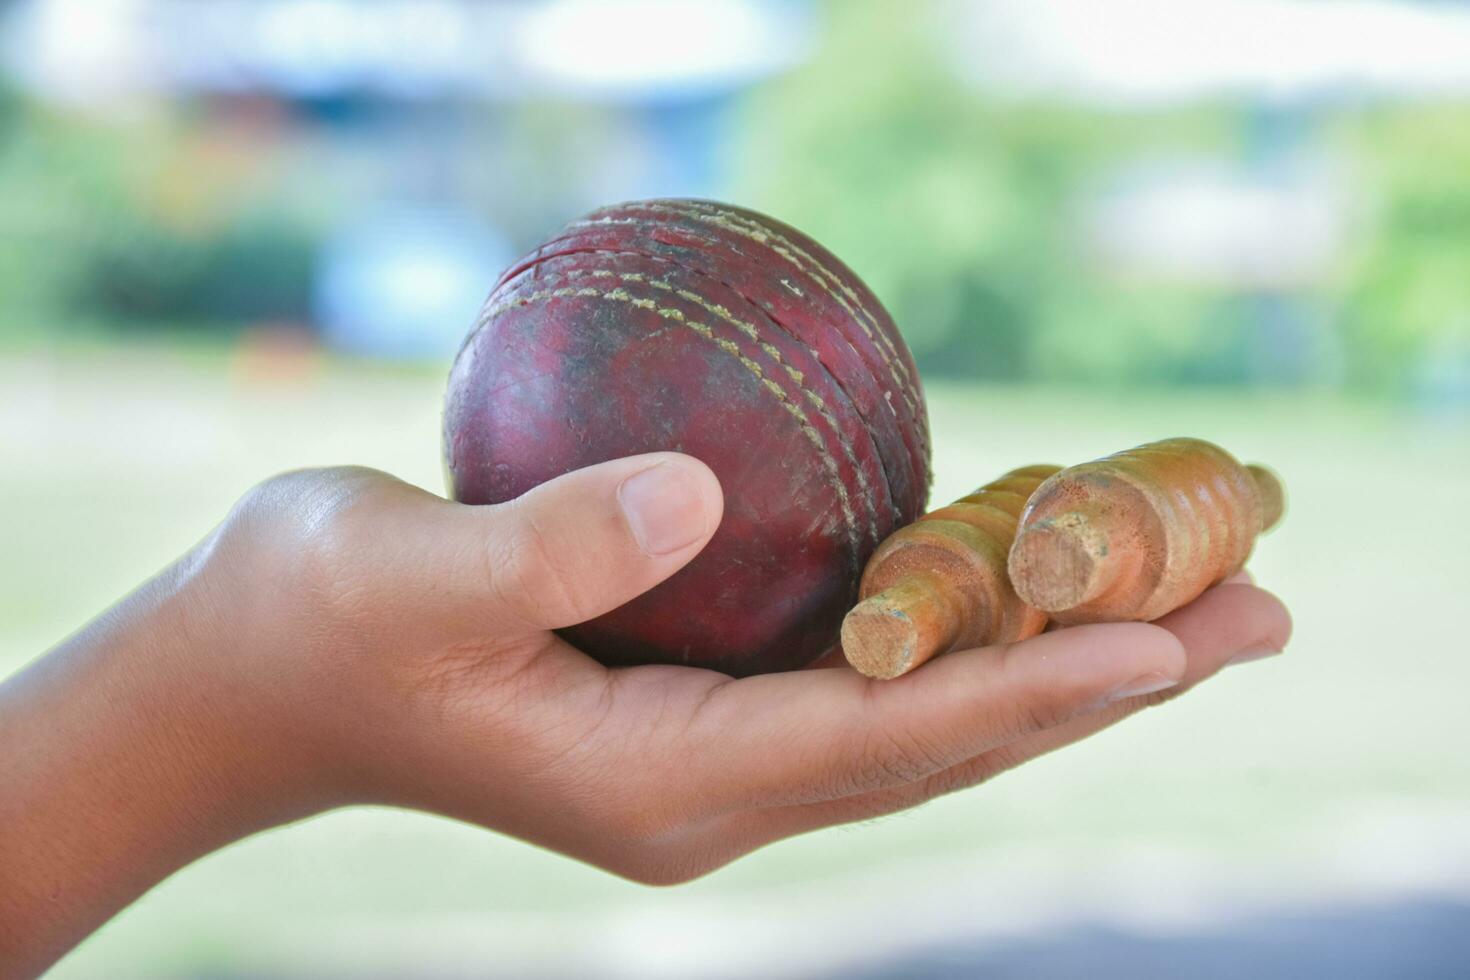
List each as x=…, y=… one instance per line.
x=132, y=749
x=227, y=705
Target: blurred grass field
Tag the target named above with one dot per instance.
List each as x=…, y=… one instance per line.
x=1339, y=772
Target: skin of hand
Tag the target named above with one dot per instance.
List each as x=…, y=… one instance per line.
x=345, y=638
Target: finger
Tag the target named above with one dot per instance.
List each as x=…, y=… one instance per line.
x=1231, y=622
x=562, y=553
x=1214, y=630
x=816, y=735
x=587, y=542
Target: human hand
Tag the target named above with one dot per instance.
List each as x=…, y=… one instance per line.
x=414, y=633
x=346, y=638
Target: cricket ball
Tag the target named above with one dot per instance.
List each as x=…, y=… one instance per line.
x=711, y=330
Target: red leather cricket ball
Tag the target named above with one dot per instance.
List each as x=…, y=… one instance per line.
x=711, y=330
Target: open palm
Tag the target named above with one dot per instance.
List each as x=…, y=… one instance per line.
x=439, y=618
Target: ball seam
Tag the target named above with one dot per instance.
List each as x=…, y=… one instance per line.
x=899, y=516
x=887, y=357
x=620, y=295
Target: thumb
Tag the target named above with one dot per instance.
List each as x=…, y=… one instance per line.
x=587, y=542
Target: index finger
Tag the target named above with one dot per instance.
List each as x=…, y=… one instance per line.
x=816, y=735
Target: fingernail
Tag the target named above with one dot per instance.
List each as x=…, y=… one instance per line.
x=664, y=507
x=1253, y=653
x=1145, y=684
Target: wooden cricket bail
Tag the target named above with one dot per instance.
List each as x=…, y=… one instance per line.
x=1066, y=560
x=941, y=583
x=1272, y=493
x=892, y=632
x=1140, y=533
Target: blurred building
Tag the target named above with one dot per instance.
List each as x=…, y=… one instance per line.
x=426, y=116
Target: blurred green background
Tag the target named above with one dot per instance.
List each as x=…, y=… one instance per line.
x=238, y=237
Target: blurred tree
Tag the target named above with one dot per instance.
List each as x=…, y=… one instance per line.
x=966, y=213
x=63, y=185
x=1405, y=293
x=257, y=267
x=944, y=205
x=140, y=224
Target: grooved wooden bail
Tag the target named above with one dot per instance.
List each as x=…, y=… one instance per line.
x=1066, y=559
x=1140, y=533
x=1272, y=494
x=890, y=633
x=941, y=583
